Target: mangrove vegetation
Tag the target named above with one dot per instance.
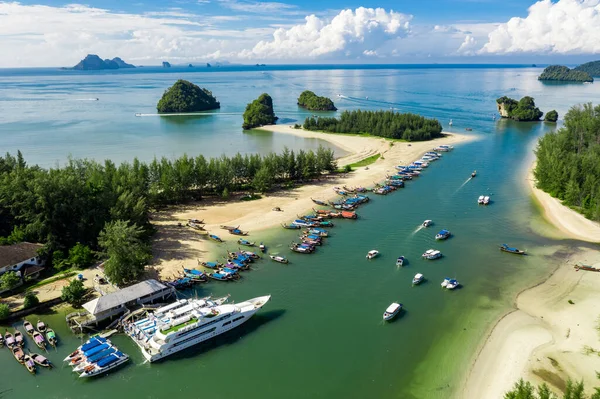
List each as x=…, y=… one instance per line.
x=568, y=161
x=388, y=124
x=523, y=110
x=259, y=112
x=311, y=101
x=185, y=96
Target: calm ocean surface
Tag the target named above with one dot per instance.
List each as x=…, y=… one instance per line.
x=321, y=336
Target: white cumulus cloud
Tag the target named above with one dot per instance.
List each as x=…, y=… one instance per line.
x=351, y=32
x=567, y=26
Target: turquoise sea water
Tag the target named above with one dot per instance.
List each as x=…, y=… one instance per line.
x=322, y=334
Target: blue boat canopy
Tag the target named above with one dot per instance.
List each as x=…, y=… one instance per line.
x=443, y=232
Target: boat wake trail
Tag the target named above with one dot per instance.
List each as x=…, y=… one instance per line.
x=462, y=185
x=417, y=230
x=85, y=99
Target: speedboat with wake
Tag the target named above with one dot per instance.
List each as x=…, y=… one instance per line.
x=392, y=311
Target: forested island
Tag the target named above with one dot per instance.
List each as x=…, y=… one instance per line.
x=94, y=63
x=523, y=110
x=568, y=161
x=311, y=101
x=185, y=96
x=551, y=116
x=559, y=73
x=591, y=68
x=259, y=112
x=388, y=124
x=87, y=205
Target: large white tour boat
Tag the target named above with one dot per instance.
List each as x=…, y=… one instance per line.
x=185, y=323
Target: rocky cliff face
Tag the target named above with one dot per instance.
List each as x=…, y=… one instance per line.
x=502, y=110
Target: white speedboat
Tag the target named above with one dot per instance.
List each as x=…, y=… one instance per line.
x=280, y=259
x=373, y=254
x=486, y=200
x=418, y=279
x=427, y=223
x=392, y=311
x=421, y=163
x=108, y=363
x=400, y=261
x=179, y=327
x=452, y=284
x=446, y=147
x=445, y=282
x=480, y=199
x=443, y=235
x=432, y=254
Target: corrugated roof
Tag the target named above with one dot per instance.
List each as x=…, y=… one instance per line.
x=123, y=296
x=17, y=253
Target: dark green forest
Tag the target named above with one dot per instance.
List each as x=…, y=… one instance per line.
x=185, y=96
x=564, y=74
x=259, y=112
x=73, y=204
x=311, y=101
x=568, y=161
x=387, y=124
x=523, y=110
x=591, y=68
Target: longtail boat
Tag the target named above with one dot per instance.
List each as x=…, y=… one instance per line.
x=349, y=215
x=39, y=340
x=506, y=248
x=247, y=243
x=587, y=268
x=229, y=228
x=211, y=265
x=280, y=259
x=41, y=360
x=1, y=340
x=291, y=226
x=29, y=364
x=19, y=339
x=51, y=337
x=41, y=326
x=238, y=232
x=319, y=202
x=9, y=340
x=18, y=353
x=215, y=238
x=28, y=328
x=325, y=223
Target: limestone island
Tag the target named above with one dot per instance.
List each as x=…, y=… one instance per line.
x=311, y=101
x=592, y=68
x=94, y=63
x=523, y=110
x=559, y=73
x=259, y=112
x=185, y=96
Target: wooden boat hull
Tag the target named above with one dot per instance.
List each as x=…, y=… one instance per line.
x=517, y=252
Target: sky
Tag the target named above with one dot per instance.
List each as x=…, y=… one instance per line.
x=147, y=32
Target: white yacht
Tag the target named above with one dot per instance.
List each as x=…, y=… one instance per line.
x=392, y=311
x=373, y=254
x=486, y=200
x=188, y=322
x=418, y=279
x=432, y=254
x=480, y=199
x=427, y=223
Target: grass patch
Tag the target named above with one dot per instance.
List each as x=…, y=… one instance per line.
x=366, y=162
x=250, y=197
x=60, y=276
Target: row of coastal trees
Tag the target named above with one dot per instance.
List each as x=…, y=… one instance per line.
x=568, y=161
x=573, y=390
x=386, y=124
x=87, y=209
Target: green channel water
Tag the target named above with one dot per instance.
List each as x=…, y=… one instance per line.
x=322, y=334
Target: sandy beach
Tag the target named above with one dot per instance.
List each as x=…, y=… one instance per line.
x=570, y=223
x=544, y=339
x=176, y=246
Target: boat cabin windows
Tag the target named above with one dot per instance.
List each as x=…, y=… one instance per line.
x=237, y=318
x=226, y=323
x=210, y=330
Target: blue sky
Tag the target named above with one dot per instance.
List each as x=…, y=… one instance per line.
x=36, y=33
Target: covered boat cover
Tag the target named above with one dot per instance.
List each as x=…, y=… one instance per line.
x=394, y=307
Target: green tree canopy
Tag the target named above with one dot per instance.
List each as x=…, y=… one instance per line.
x=185, y=96
x=30, y=300
x=591, y=68
x=564, y=74
x=259, y=112
x=568, y=161
x=387, y=124
x=522, y=110
x=551, y=116
x=80, y=256
x=126, y=251
x=74, y=292
x=311, y=101
x=9, y=280
x=4, y=311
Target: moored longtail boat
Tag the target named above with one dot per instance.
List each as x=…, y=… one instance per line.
x=1, y=340
x=41, y=326
x=39, y=340
x=506, y=248
x=219, y=276
x=211, y=265
x=238, y=232
x=215, y=238
x=18, y=353
x=291, y=226
x=28, y=328
x=9, y=340
x=41, y=360
x=19, y=339
x=51, y=337
x=349, y=215
x=247, y=243
x=319, y=202
x=29, y=364
x=279, y=259
x=229, y=228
